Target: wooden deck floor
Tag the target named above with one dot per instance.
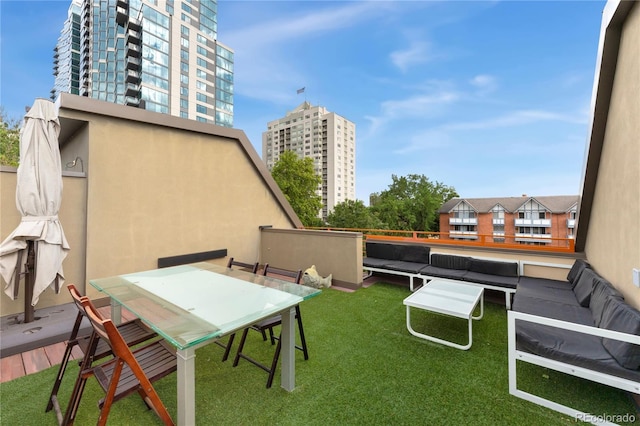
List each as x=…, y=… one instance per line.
x=39, y=359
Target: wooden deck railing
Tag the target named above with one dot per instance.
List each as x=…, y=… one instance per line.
x=536, y=243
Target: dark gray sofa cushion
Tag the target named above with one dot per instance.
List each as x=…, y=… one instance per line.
x=414, y=253
x=387, y=251
x=450, y=261
x=542, y=288
x=550, y=309
x=374, y=262
x=569, y=346
x=496, y=280
x=493, y=267
x=434, y=271
x=574, y=273
x=602, y=291
x=584, y=286
x=619, y=316
x=401, y=265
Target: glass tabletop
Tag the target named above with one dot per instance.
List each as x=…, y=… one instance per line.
x=189, y=304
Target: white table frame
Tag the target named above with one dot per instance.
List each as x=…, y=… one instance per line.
x=447, y=298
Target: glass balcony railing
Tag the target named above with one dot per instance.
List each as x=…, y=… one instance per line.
x=533, y=222
x=463, y=220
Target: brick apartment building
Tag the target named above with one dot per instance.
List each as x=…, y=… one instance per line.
x=543, y=220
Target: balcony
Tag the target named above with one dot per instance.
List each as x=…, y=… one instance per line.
x=122, y=15
x=132, y=101
x=463, y=221
x=467, y=235
x=133, y=76
x=133, y=50
x=533, y=222
x=133, y=63
x=533, y=238
x=134, y=37
x=132, y=90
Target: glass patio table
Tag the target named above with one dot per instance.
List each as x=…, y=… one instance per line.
x=193, y=305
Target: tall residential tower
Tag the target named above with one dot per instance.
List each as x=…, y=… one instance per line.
x=162, y=56
x=312, y=131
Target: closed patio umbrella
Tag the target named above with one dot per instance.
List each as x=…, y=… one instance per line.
x=38, y=198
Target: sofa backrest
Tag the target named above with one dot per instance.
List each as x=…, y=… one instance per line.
x=619, y=316
x=450, y=261
x=378, y=250
x=584, y=286
x=574, y=273
x=417, y=253
x=602, y=291
x=494, y=267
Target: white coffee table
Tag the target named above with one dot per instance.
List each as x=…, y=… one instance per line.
x=446, y=297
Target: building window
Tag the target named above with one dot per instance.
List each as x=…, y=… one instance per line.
x=498, y=213
x=531, y=210
x=464, y=211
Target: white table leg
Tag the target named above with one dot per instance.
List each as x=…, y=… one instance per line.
x=288, y=378
x=481, y=307
x=186, y=387
x=116, y=312
x=435, y=339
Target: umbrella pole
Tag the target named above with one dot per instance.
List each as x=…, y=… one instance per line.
x=30, y=281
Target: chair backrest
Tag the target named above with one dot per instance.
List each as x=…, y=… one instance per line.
x=279, y=273
x=108, y=332
x=253, y=267
x=77, y=297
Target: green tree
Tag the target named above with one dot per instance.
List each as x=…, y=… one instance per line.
x=9, y=140
x=412, y=203
x=298, y=181
x=353, y=214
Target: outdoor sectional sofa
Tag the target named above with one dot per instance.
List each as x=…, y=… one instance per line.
x=417, y=262
x=581, y=326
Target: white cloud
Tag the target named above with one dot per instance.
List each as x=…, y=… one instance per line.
x=263, y=61
x=416, y=53
x=425, y=141
x=484, y=83
x=516, y=118
x=421, y=106
x=291, y=27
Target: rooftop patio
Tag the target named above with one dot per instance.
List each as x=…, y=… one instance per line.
x=364, y=367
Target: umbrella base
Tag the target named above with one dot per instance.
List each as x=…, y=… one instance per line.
x=51, y=325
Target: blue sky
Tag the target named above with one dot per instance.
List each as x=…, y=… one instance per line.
x=491, y=98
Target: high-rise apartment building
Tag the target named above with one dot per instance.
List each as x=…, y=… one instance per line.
x=162, y=56
x=312, y=131
x=545, y=220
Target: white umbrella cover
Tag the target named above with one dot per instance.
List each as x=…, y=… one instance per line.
x=38, y=198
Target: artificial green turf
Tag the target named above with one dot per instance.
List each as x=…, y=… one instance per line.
x=364, y=369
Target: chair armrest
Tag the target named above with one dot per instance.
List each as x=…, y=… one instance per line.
x=512, y=316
